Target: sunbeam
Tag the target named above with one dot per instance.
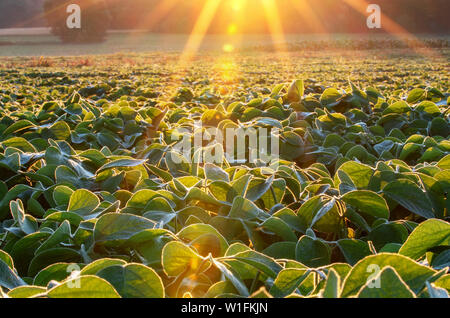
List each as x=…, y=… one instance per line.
x=275, y=27
x=390, y=26
x=157, y=14
x=200, y=28
x=309, y=15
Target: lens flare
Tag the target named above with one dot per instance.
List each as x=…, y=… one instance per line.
x=237, y=5
x=276, y=28
x=228, y=48
x=201, y=27
x=232, y=29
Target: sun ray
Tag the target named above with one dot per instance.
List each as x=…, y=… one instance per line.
x=157, y=14
x=391, y=27
x=150, y=20
x=199, y=31
x=275, y=27
x=235, y=27
x=309, y=15
x=226, y=67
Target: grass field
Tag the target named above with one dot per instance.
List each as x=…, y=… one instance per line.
x=355, y=205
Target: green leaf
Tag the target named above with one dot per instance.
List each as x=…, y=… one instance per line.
x=245, y=209
x=397, y=108
x=436, y=292
x=61, y=235
x=17, y=127
x=11, y=162
x=387, y=284
x=51, y=256
x=257, y=188
x=61, y=130
x=24, y=249
x=96, y=266
x=368, y=203
x=443, y=282
x=8, y=278
x=410, y=196
x=332, y=286
x=428, y=107
x=296, y=91
x=271, y=122
x=83, y=202
x=412, y=273
x=90, y=287
x=73, y=218
x=121, y=163
x=416, y=95
x=134, y=281
x=288, y=281
x=140, y=199
x=220, y=190
x=388, y=233
x=441, y=261
x=19, y=143
x=26, y=222
x=280, y=228
x=196, y=235
x=410, y=150
x=391, y=248
x=215, y=173
x=26, y=291
x=259, y=261
x=313, y=210
x=384, y=146
x=444, y=164
x=330, y=96
x=360, y=174
x=7, y=259
x=354, y=250
x=56, y=272
x=149, y=244
x=62, y=195
x=177, y=258
x=219, y=288
x=281, y=250
x=429, y=234
x=196, y=194
x=232, y=277
x=312, y=252
x=119, y=227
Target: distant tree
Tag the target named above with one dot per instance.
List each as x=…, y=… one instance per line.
x=94, y=20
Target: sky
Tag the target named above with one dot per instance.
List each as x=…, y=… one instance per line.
x=250, y=16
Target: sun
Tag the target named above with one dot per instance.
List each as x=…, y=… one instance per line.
x=240, y=9
x=232, y=29
x=237, y=5
x=228, y=48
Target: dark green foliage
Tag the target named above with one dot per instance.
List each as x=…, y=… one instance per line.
x=89, y=180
